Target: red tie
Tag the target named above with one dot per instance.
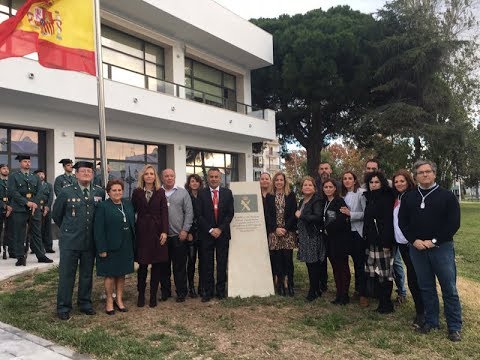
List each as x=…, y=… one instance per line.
x=215, y=204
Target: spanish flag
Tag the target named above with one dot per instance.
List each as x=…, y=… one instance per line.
x=60, y=31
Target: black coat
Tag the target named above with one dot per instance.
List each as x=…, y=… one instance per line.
x=289, y=214
x=336, y=227
x=378, y=218
x=312, y=215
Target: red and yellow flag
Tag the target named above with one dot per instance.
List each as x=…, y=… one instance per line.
x=60, y=31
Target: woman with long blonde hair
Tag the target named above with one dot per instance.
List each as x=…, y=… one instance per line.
x=150, y=205
x=281, y=205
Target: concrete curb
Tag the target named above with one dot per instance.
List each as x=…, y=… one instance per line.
x=33, y=346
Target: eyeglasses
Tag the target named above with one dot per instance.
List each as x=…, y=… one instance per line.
x=426, y=172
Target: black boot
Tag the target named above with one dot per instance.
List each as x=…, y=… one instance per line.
x=290, y=285
x=191, y=291
x=312, y=295
x=21, y=261
x=141, y=285
x=338, y=300
x=280, y=287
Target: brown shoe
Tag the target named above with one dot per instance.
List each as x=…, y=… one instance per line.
x=363, y=301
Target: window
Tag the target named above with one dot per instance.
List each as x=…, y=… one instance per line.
x=126, y=159
x=22, y=141
x=209, y=85
x=132, y=61
x=199, y=161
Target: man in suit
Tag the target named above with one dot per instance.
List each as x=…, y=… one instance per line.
x=65, y=179
x=215, y=213
x=46, y=201
x=24, y=192
x=5, y=211
x=73, y=212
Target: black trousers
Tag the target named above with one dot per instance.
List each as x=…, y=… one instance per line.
x=47, y=231
x=5, y=234
x=177, y=252
x=282, y=264
x=158, y=272
x=23, y=225
x=323, y=274
x=358, y=248
x=412, y=279
x=211, y=248
x=192, y=251
x=314, y=277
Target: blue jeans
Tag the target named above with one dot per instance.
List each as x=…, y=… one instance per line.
x=399, y=274
x=438, y=262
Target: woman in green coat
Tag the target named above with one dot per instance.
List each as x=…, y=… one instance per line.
x=114, y=232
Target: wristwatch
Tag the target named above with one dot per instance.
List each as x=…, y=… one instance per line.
x=434, y=241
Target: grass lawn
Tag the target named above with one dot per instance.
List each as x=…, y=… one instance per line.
x=254, y=328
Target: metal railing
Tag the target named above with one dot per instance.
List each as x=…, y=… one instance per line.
x=181, y=91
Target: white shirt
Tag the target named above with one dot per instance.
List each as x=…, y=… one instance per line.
x=399, y=238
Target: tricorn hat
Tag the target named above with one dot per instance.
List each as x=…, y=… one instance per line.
x=21, y=157
x=65, y=161
x=85, y=164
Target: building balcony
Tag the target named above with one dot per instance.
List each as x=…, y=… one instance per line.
x=27, y=82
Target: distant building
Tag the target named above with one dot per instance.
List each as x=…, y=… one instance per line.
x=267, y=160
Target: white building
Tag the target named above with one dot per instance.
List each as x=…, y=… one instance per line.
x=268, y=160
x=177, y=93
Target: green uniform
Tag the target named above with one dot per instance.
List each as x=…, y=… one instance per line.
x=74, y=214
x=114, y=232
x=24, y=187
x=61, y=181
x=4, y=221
x=97, y=180
x=46, y=200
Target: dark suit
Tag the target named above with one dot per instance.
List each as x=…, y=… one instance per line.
x=208, y=244
x=46, y=199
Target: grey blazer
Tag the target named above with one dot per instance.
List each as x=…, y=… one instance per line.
x=356, y=202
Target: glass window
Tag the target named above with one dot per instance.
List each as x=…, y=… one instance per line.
x=154, y=54
x=127, y=77
x=84, y=147
x=229, y=81
x=117, y=40
x=199, y=161
x=3, y=16
x=3, y=140
x=125, y=151
x=154, y=71
x=207, y=73
x=125, y=61
x=24, y=142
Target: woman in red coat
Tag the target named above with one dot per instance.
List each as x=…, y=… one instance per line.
x=151, y=229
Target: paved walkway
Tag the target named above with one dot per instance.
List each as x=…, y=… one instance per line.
x=17, y=344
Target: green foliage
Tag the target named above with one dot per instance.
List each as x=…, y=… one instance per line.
x=320, y=76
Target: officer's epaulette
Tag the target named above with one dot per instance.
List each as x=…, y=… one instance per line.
x=66, y=186
x=97, y=186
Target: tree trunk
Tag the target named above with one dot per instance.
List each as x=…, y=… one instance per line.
x=417, y=148
x=314, y=151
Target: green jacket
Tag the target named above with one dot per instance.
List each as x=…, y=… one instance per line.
x=97, y=180
x=3, y=195
x=74, y=216
x=109, y=225
x=22, y=189
x=61, y=181
x=46, y=194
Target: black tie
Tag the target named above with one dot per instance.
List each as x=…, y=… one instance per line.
x=85, y=193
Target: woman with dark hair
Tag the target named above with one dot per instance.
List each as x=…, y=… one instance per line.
x=311, y=248
x=281, y=205
x=152, y=227
x=193, y=185
x=403, y=182
x=356, y=203
x=379, y=235
x=114, y=234
x=337, y=234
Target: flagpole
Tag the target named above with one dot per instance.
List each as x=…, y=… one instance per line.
x=100, y=93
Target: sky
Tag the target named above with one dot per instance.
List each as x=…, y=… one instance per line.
x=273, y=8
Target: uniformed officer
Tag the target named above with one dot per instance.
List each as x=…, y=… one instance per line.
x=23, y=191
x=65, y=179
x=46, y=200
x=98, y=177
x=73, y=212
x=5, y=211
